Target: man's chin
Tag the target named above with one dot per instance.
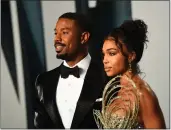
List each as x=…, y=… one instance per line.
x=61, y=56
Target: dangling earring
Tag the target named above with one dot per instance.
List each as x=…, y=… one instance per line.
x=130, y=67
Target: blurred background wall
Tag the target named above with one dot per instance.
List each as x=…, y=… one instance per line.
x=155, y=60
x=27, y=47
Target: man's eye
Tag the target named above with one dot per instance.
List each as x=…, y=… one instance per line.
x=65, y=32
x=55, y=33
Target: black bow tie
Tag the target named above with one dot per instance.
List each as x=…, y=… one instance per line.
x=66, y=71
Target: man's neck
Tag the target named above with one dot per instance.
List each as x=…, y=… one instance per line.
x=72, y=63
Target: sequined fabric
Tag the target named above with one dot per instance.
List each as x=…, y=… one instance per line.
x=120, y=105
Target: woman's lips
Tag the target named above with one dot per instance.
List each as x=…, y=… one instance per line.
x=107, y=69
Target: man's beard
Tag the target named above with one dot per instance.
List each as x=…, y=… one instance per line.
x=62, y=56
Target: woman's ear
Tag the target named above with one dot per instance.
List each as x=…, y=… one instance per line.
x=132, y=56
x=85, y=37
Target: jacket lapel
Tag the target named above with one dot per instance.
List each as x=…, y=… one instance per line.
x=92, y=88
x=50, y=94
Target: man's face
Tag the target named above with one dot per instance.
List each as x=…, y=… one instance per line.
x=67, y=39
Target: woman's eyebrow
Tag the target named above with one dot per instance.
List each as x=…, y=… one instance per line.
x=111, y=49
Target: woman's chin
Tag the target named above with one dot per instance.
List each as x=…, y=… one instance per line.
x=109, y=74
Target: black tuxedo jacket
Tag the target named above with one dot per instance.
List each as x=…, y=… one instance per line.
x=45, y=108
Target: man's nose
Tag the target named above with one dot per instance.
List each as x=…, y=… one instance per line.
x=58, y=37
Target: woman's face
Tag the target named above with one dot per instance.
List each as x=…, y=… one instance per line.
x=114, y=61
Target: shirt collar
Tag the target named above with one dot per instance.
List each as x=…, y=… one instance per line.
x=83, y=64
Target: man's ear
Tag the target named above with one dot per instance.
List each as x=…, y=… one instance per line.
x=132, y=56
x=85, y=37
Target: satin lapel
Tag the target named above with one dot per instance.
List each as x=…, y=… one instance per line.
x=91, y=89
x=50, y=98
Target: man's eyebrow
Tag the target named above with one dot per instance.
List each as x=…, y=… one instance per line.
x=62, y=29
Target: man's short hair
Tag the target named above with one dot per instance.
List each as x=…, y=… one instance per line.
x=82, y=20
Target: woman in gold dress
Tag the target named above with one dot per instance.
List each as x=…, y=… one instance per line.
x=128, y=101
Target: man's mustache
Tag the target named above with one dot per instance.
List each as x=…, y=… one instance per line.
x=59, y=44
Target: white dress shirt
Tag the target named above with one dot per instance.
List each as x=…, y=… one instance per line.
x=68, y=92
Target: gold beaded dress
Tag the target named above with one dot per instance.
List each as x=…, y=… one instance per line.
x=120, y=105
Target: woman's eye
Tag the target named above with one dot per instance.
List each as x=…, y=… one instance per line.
x=112, y=53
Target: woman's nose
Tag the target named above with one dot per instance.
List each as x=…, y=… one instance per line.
x=105, y=60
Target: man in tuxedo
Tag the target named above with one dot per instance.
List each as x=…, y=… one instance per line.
x=67, y=95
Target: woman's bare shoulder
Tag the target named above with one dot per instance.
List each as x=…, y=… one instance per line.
x=149, y=106
x=146, y=92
